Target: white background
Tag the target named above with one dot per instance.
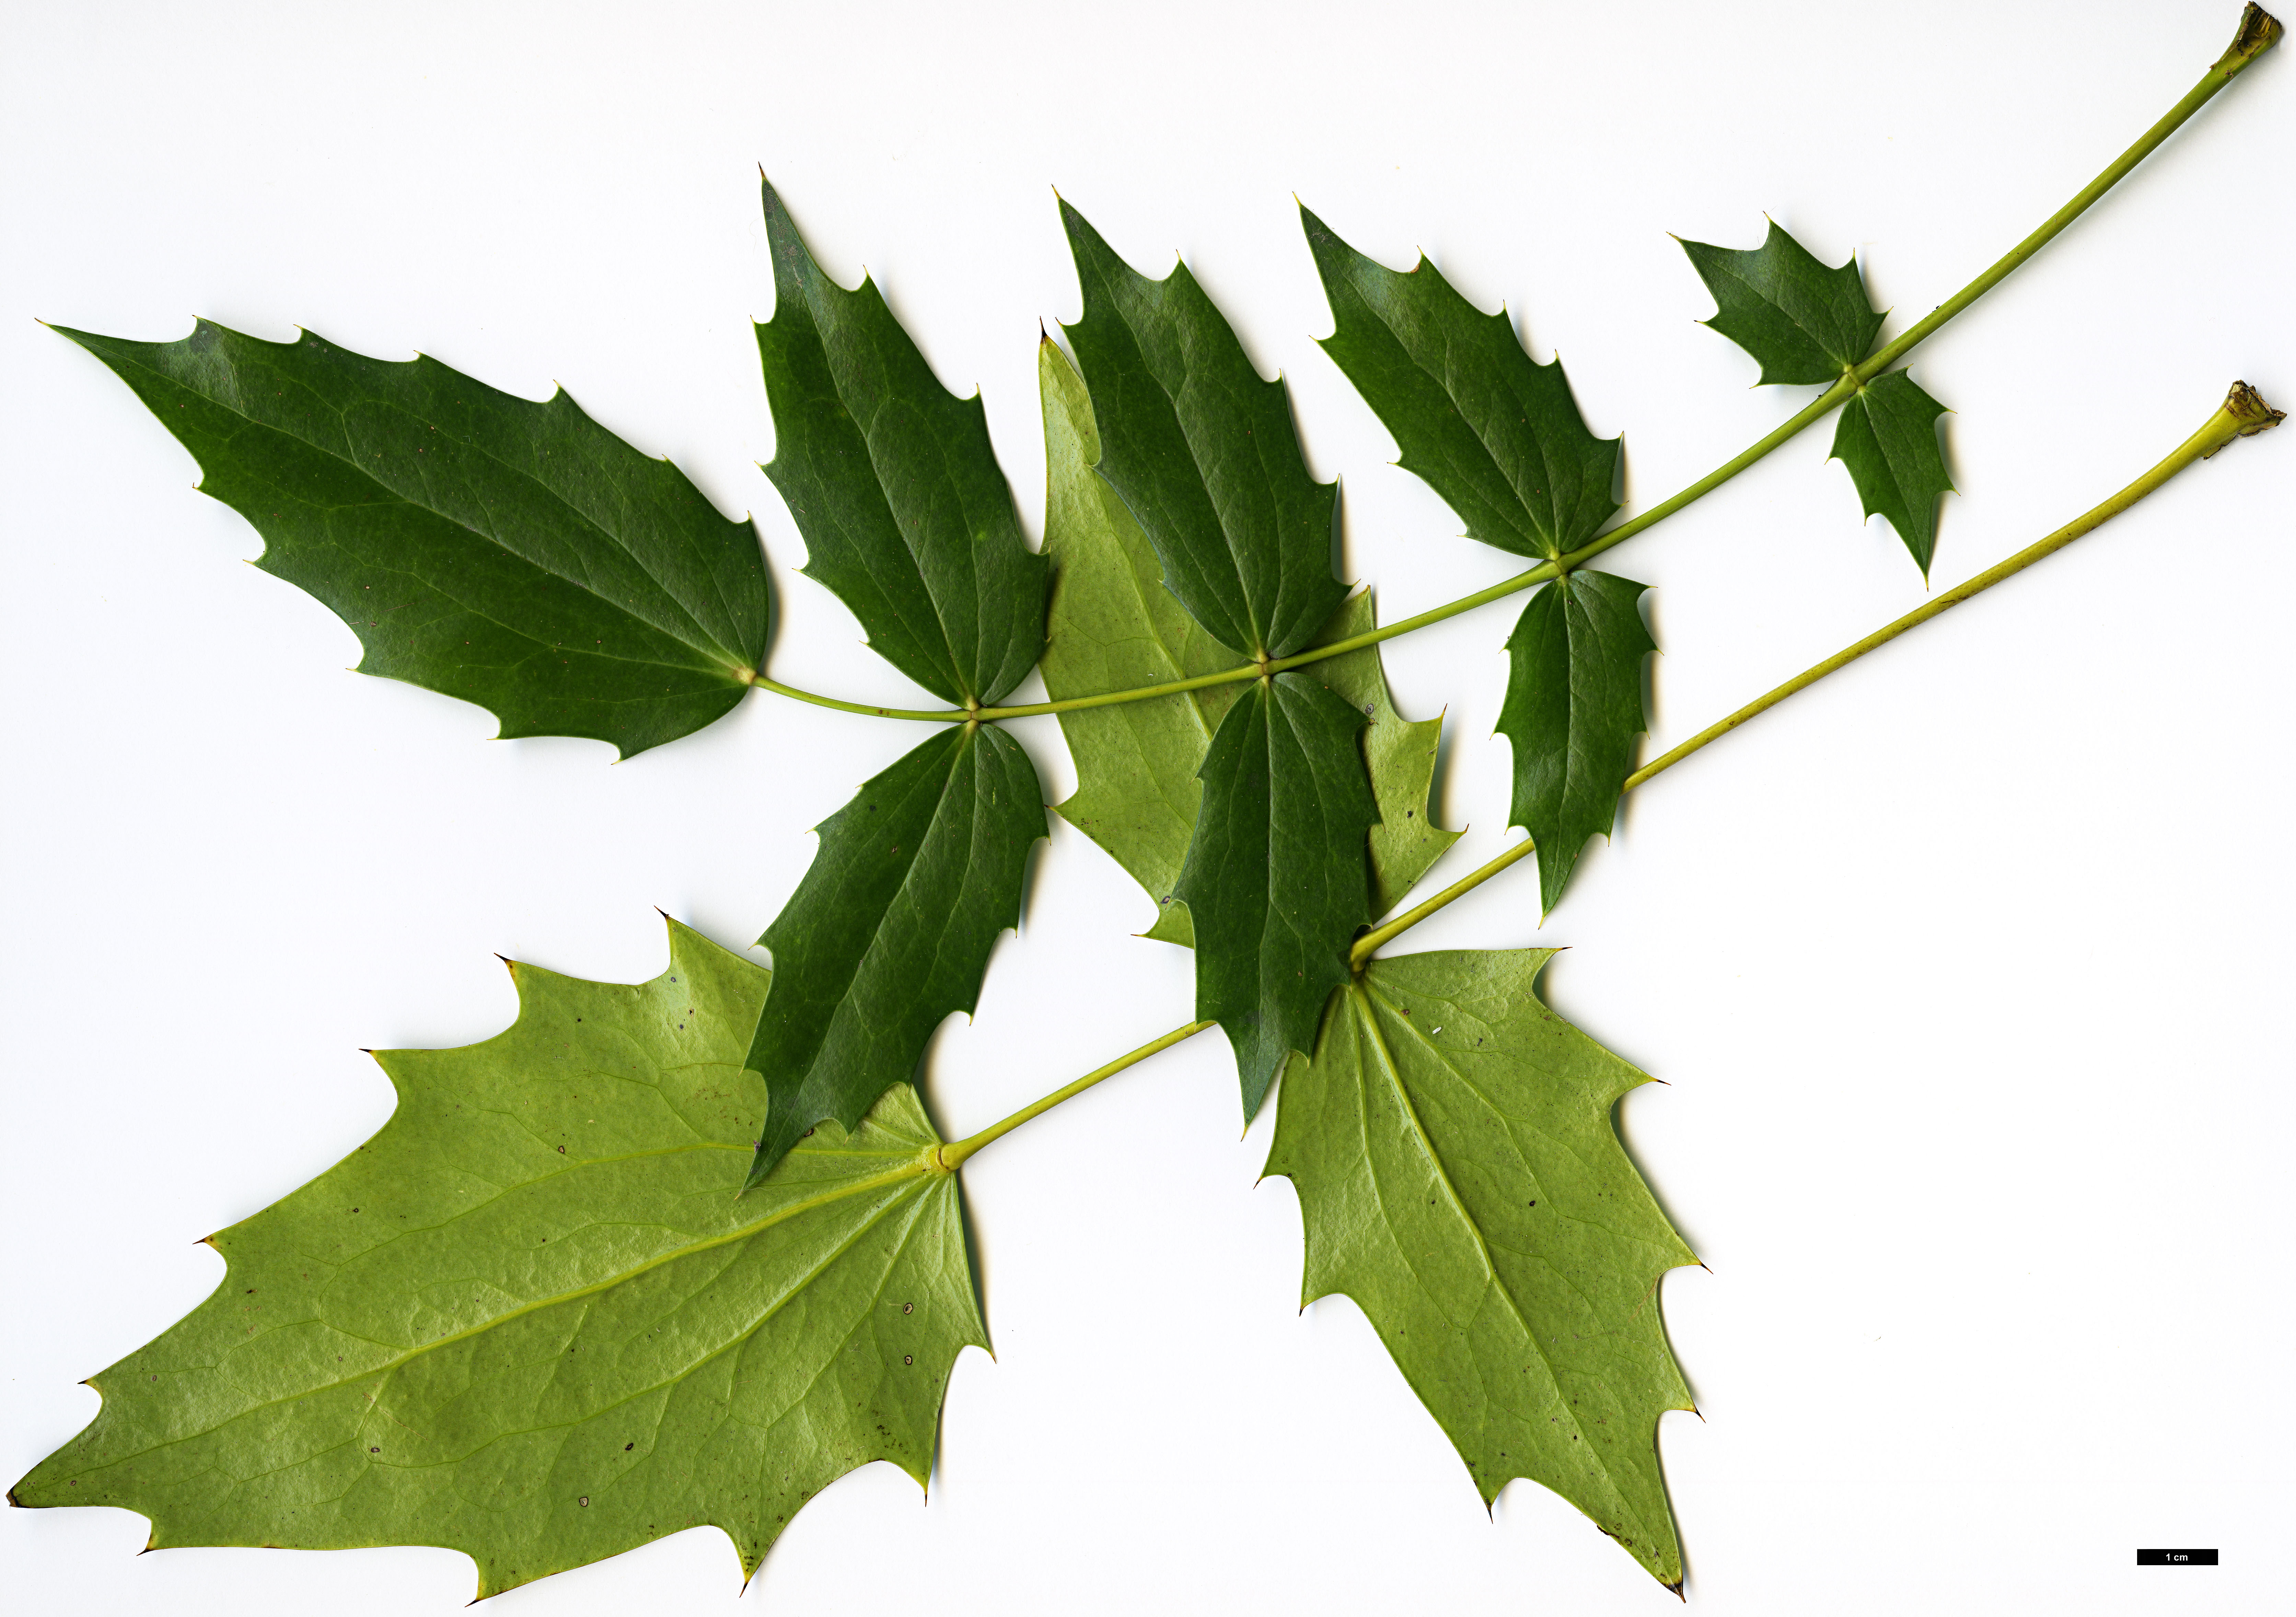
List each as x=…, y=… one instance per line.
x=1968, y=970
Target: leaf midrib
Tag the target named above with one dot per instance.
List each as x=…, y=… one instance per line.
x=1365, y=994
x=1823, y=347
x=1531, y=530
x=731, y=1342
x=516, y=633
x=1250, y=616
x=956, y=665
x=911, y=1169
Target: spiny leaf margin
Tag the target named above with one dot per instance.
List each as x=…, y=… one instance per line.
x=1494, y=432
x=1887, y=439
x=1461, y=1181
x=575, y=1177
x=1801, y=321
x=1204, y=453
x=893, y=483
x=891, y=928
x=514, y=554
x=1275, y=879
x=1572, y=713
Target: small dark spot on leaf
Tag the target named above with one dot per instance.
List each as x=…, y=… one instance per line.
x=583, y=1501
x=908, y=1307
x=908, y=1359
x=627, y=1447
x=374, y=1451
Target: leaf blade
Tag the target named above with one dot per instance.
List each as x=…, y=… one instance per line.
x=1492, y=431
x=1802, y=322
x=1459, y=1178
x=891, y=928
x=894, y=486
x=623, y=1350
x=1888, y=439
x=1114, y=627
x=1204, y=454
x=1572, y=713
x=1275, y=879
x=509, y=553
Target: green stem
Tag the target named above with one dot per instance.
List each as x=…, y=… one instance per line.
x=952, y=1155
x=951, y=715
x=2244, y=413
x=2256, y=32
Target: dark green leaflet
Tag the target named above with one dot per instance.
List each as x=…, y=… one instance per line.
x=1496, y=435
x=892, y=480
x=1573, y=708
x=511, y=553
x=1116, y=627
x=1888, y=439
x=1204, y=454
x=1802, y=321
x=891, y=927
x=1275, y=880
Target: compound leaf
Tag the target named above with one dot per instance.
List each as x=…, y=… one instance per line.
x=891, y=927
x=1496, y=434
x=1888, y=439
x=532, y=1320
x=1116, y=627
x=1573, y=708
x=1204, y=454
x=1460, y=1180
x=1802, y=321
x=1276, y=880
x=893, y=485
x=515, y=554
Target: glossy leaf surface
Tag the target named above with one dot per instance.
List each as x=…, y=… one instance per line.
x=1204, y=454
x=1460, y=1180
x=1888, y=439
x=1573, y=710
x=1276, y=879
x=1496, y=435
x=891, y=928
x=1115, y=627
x=532, y=1320
x=515, y=554
x=1802, y=321
x=892, y=480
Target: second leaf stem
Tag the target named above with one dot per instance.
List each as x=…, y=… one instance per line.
x=2256, y=32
